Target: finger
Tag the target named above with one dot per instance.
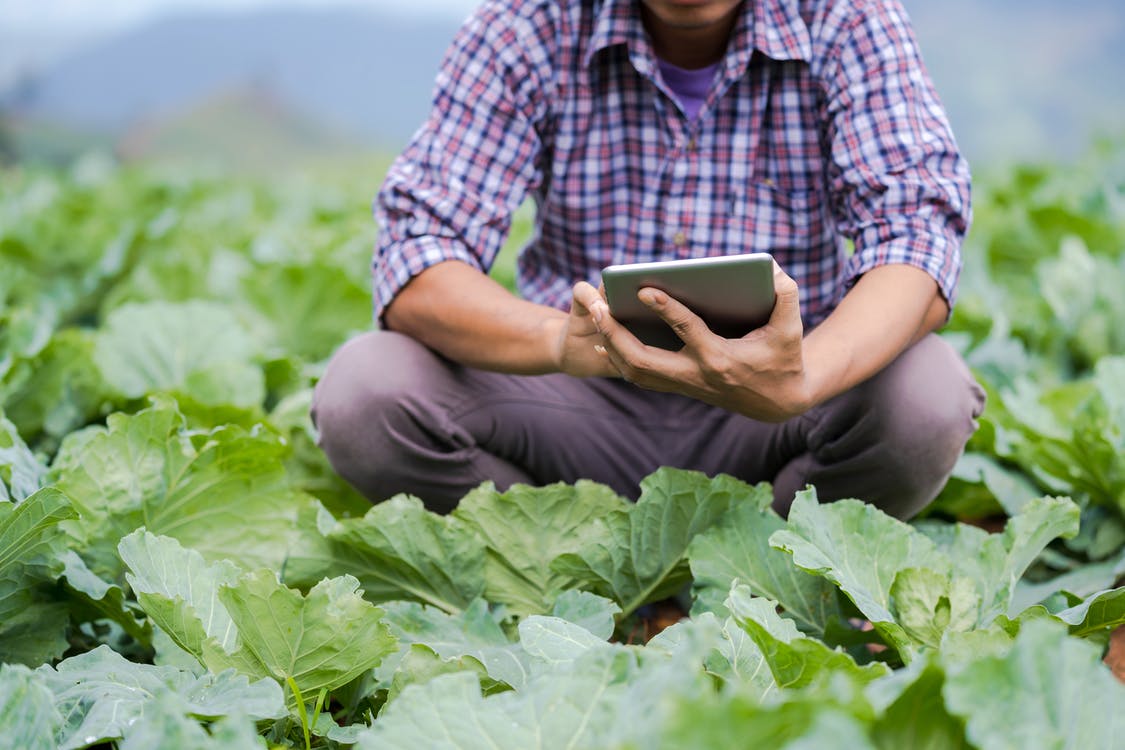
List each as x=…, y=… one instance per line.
x=786, y=314
x=584, y=295
x=687, y=325
x=647, y=366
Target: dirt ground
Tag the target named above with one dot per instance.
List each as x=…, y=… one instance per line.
x=1115, y=656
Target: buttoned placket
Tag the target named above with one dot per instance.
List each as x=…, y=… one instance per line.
x=681, y=142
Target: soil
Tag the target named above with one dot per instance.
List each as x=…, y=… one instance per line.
x=1115, y=656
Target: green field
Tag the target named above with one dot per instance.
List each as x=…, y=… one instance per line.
x=179, y=568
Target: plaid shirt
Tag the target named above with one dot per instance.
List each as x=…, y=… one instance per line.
x=821, y=126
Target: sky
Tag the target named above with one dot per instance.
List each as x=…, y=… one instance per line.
x=69, y=16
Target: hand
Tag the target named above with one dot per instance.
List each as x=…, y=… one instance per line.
x=761, y=375
x=579, y=340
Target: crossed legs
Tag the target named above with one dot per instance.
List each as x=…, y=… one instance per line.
x=393, y=416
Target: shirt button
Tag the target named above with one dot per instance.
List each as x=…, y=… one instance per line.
x=679, y=239
x=692, y=145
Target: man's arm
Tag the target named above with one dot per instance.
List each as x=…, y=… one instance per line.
x=455, y=309
x=889, y=309
x=446, y=205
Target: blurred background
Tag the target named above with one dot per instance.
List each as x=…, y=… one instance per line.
x=273, y=83
x=185, y=193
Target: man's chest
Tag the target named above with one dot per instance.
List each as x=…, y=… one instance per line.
x=624, y=168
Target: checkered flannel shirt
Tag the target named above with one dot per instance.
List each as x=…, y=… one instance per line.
x=821, y=126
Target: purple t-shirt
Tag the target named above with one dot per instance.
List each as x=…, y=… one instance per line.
x=689, y=86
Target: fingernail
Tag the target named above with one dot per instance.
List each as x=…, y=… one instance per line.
x=596, y=311
x=599, y=348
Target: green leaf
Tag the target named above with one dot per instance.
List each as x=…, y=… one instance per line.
x=794, y=659
x=1072, y=436
x=913, y=714
x=58, y=390
x=996, y=562
x=638, y=556
x=100, y=694
x=594, y=613
x=450, y=712
x=96, y=599
x=473, y=633
x=861, y=550
x=32, y=619
x=525, y=529
x=421, y=664
x=21, y=473
x=28, y=717
x=222, y=492
x=306, y=464
x=552, y=641
x=1083, y=581
x=165, y=726
x=398, y=550
x=1011, y=489
x=729, y=652
x=322, y=640
x=198, y=348
x=180, y=591
x=27, y=530
x=916, y=584
x=1097, y=614
x=1049, y=691
x=929, y=604
x=558, y=710
x=737, y=548
x=307, y=309
x=735, y=721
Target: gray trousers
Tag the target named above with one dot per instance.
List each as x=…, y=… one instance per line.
x=393, y=416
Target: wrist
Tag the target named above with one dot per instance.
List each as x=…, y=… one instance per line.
x=553, y=341
x=825, y=364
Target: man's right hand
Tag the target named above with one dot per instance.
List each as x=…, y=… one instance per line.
x=578, y=336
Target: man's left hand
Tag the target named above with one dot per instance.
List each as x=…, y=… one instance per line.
x=761, y=375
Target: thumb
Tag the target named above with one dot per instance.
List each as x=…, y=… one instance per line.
x=787, y=307
x=584, y=296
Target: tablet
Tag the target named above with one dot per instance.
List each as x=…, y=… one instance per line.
x=732, y=293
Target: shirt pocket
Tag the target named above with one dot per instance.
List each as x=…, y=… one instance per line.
x=760, y=217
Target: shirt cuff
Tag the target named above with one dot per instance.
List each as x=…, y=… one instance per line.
x=935, y=253
x=395, y=265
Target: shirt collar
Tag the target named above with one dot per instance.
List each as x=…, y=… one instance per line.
x=773, y=27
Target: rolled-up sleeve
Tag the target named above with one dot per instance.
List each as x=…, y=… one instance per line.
x=452, y=192
x=901, y=187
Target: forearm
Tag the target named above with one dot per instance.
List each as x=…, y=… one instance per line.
x=889, y=309
x=469, y=318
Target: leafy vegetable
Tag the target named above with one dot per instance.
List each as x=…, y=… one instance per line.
x=21, y=473
x=1049, y=691
x=100, y=694
x=525, y=529
x=398, y=550
x=253, y=624
x=223, y=492
x=636, y=555
x=32, y=621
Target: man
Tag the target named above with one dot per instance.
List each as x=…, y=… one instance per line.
x=659, y=129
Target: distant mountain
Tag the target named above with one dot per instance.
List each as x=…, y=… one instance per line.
x=1020, y=78
x=357, y=71
x=244, y=128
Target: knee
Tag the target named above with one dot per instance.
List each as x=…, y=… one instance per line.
x=915, y=419
x=365, y=385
